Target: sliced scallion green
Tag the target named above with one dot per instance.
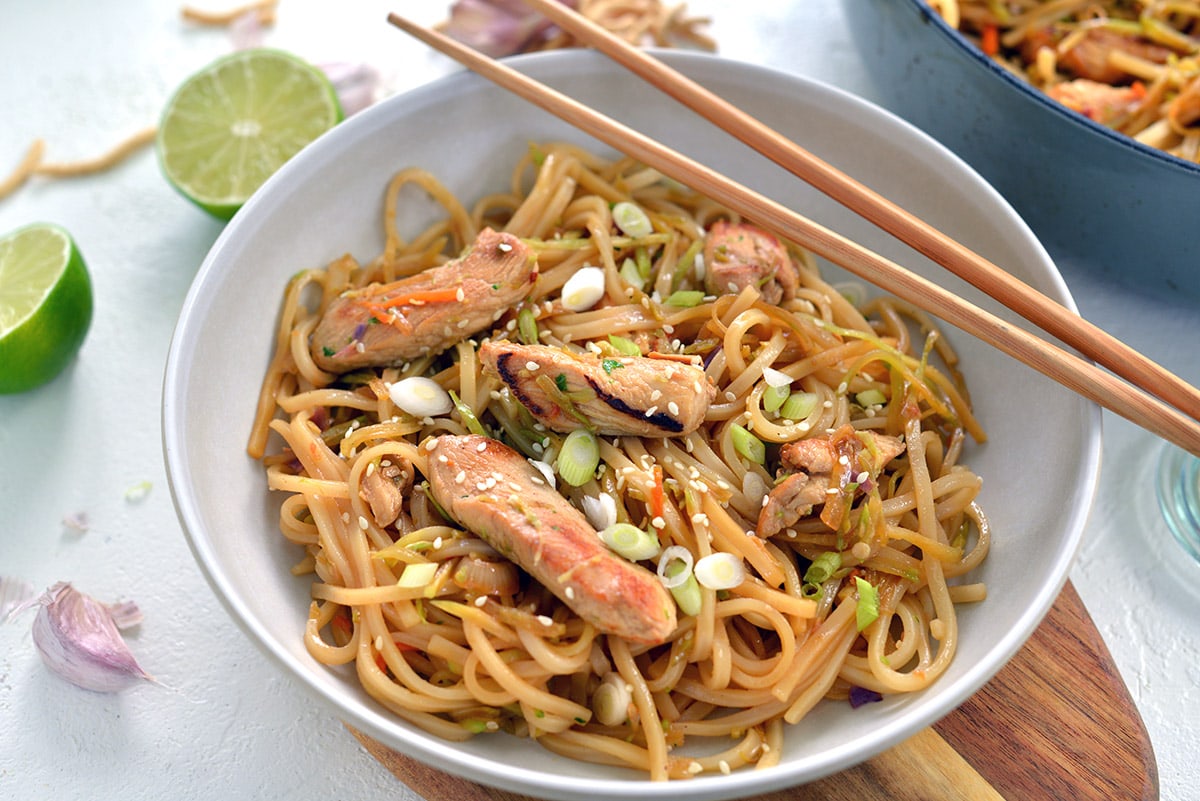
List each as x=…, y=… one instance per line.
x=799, y=405
x=823, y=568
x=527, y=327
x=685, y=298
x=631, y=274
x=867, y=611
x=630, y=218
x=634, y=543
x=870, y=397
x=624, y=345
x=687, y=595
x=747, y=445
x=579, y=457
x=468, y=416
x=773, y=397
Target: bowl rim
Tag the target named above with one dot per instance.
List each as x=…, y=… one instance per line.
x=524, y=778
x=963, y=43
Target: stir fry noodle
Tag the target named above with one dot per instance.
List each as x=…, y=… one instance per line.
x=1131, y=65
x=593, y=461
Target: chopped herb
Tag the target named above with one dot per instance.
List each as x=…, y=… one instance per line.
x=867, y=611
x=560, y=381
x=328, y=351
x=611, y=364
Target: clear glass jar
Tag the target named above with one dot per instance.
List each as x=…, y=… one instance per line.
x=1179, y=496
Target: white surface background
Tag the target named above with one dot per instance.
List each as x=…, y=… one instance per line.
x=222, y=723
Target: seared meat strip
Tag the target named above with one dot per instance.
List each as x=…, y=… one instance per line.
x=386, y=324
x=737, y=255
x=497, y=494
x=628, y=395
x=808, y=465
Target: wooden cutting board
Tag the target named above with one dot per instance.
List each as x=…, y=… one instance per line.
x=1056, y=723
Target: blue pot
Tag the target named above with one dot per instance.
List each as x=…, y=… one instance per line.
x=1094, y=197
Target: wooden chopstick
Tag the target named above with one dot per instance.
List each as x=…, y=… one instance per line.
x=1070, y=370
x=1049, y=315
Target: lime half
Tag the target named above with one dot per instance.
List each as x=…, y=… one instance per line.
x=45, y=305
x=235, y=122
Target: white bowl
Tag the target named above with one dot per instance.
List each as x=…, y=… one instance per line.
x=1040, y=467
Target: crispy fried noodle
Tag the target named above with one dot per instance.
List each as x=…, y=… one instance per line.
x=511, y=446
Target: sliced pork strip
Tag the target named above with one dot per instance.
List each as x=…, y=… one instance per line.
x=498, y=495
x=617, y=396
x=385, y=324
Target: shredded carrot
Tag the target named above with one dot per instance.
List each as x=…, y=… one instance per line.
x=415, y=298
x=989, y=40
x=1138, y=90
x=657, y=502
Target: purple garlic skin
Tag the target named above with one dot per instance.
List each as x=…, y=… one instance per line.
x=79, y=639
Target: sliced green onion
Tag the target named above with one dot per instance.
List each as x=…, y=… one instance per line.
x=870, y=397
x=720, y=571
x=823, y=568
x=773, y=398
x=527, y=327
x=630, y=218
x=631, y=274
x=417, y=574
x=468, y=416
x=674, y=566
x=579, y=457
x=685, y=298
x=747, y=445
x=799, y=405
x=633, y=543
x=675, y=572
x=687, y=596
x=624, y=345
x=611, y=700
x=642, y=256
x=867, y=611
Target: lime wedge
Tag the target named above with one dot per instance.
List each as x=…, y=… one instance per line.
x=235, y=122
x=45, y=305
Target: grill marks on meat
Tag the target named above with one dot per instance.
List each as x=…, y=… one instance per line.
x=529, y=522
x=811, y=468
x=386, y=324
x=618, y=396
x=738, y=255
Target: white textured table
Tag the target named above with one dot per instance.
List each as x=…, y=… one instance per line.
x=223, y=724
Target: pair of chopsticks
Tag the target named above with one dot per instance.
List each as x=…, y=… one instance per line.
x=1150, y=396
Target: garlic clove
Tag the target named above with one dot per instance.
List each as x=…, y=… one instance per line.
x=79, y=638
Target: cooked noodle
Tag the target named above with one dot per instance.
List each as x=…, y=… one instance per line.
x=478, y=646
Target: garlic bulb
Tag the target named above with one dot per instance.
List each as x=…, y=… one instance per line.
x=79, y=638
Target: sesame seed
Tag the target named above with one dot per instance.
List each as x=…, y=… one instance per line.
x=532, y=366
x=504, y=247
x=832, y=491
x=463, y=323
x=461, y=477
x=443, y=458
x=570, y=593
x=658, y=522
x=655, y=395
x=481, y=600
x=379, y=643
x=363, y=523
x=673, y=408
x=651, y=411
x=545, y=621
x=460, y=296
x=437, y=543
x=724, y=766
x=345, y=517
x=370, y=469
x=360, y=347
x=481, y=447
